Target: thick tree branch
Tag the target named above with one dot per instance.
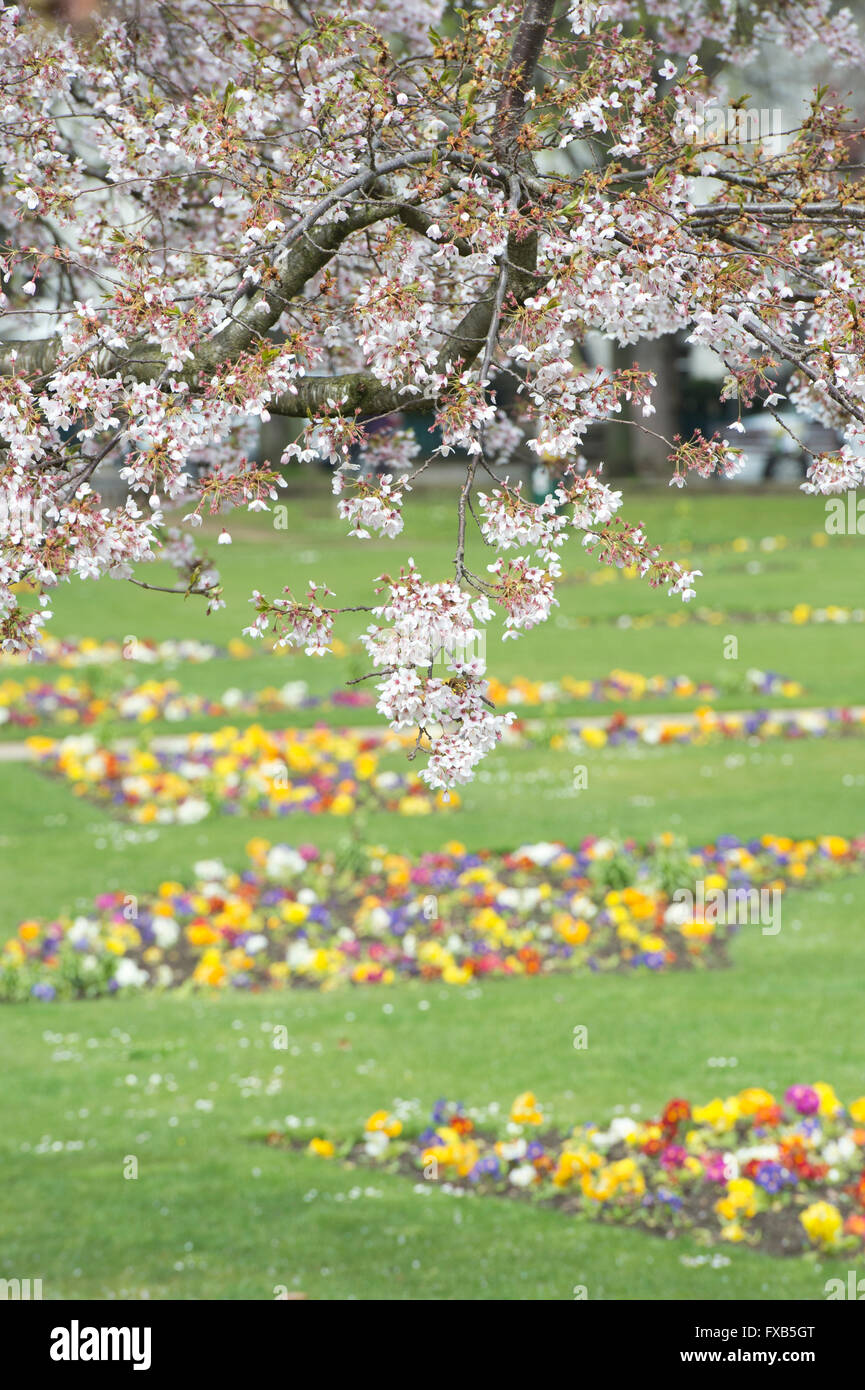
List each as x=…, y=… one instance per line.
x=519, y=74
x=285, y=281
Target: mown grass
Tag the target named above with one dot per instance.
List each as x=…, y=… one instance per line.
x=215, y=1212
x=62, y=850
x=829, y=660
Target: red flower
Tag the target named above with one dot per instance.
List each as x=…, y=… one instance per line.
x=675, y=1111
x=768, y=1116
x=812, y=1172
x=530, y=959
x=792, y=1153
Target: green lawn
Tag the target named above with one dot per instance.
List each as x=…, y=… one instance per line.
x=520, y=795
x=215, y=1213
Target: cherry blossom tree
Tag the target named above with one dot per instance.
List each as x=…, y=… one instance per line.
x=211, y=214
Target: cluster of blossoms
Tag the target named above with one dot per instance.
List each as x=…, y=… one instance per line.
x=419, y=627
x=509, y=521
x=308, y=918
x=706, y=457
x=526, y=591
x=317, y=771
x=785, y=1175
x=295, y=624
x=369, y=506
x=835, y=473
x=339, y=217
x=395, y=321
x=625, y=547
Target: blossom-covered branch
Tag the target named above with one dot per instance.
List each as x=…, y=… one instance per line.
x=334, y=216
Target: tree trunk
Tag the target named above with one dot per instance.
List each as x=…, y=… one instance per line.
x=630, y=449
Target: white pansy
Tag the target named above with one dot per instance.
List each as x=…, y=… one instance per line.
x=523, y=1176
x=128, y=974
x=283, y=863
x=210, y=870
x=166, y=931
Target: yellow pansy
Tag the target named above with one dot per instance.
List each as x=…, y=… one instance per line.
x=753, y=1099
x=822, y=1222
x=323, y=1148
x=382, y=1122
x=829, y=1102
x=526, y=1111
x=857, y=1111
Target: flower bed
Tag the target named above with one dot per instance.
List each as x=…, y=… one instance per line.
x=275, y=773
x=303, y=917
x=800, y=615
x=26, y=703
x=704, y=726
x=631, y=685
x=786, y=1176
x=73, y=652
